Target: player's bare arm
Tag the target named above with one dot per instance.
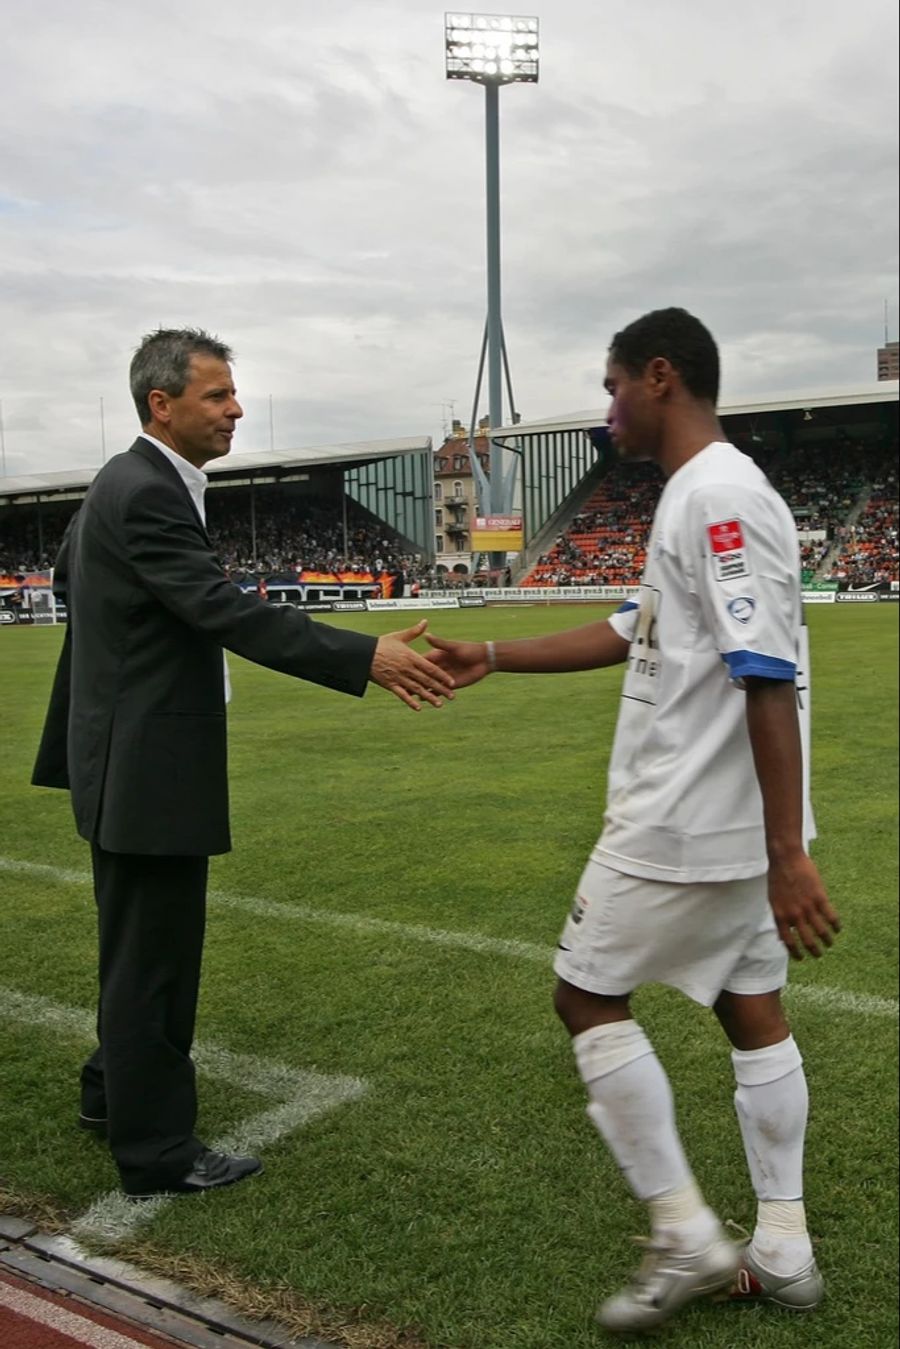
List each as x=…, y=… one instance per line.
x=589, y=647
x=803, y=912
x=406, y=674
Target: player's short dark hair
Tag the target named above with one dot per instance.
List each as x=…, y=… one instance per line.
x=681, y=339
x=163, y=361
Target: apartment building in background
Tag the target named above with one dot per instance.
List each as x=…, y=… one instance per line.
x=455, y=499
x=889, y=361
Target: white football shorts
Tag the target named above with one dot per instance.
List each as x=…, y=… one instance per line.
x=701, y=937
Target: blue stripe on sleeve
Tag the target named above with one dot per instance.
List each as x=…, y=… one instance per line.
x=742, y=664
x=629, y=604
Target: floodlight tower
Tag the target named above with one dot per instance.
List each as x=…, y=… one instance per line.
x=492, y=49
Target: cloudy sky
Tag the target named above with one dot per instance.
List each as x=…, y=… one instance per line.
x=302, y=180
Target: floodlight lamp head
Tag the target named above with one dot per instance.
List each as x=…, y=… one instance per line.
x=491, y=48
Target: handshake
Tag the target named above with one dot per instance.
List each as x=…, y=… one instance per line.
x=415, y=679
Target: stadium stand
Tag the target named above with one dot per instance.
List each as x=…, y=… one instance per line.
x=290, y=537
x=846, y=492
x=867, y=550
x=604, y=544
x=18, y=543
x=824, y=485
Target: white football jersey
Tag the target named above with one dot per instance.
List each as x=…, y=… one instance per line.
x=719, y=600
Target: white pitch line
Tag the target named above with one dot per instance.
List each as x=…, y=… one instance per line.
x=58, y=874
x=840, y=1000
x=270, y=908
x=835, y=999
x=299, y=1096
x=32, y=1010
x=382, y=927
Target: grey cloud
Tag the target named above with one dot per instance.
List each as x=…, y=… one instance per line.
x=306, y=183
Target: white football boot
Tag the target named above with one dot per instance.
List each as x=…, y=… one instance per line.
x=800, y=1292
x=666, y=1279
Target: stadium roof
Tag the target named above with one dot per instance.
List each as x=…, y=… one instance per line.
x=241, y=465
x=885, y=391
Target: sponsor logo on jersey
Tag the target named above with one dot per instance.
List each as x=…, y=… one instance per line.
x=742, y=608
x=729, y=559
x=726, y=536
x=730, y=566
x=643, y=663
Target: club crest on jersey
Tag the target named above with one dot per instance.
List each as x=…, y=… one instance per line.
x=728, y=554
x=726, y=536
x=742, y=608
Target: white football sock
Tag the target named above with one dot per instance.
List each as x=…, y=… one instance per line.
x=631, y=1105
x=772, y=1104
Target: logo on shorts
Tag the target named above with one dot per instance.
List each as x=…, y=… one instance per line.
x=742, y=608
x=579, y=909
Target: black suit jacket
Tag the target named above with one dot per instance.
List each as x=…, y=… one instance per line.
x=136, y=722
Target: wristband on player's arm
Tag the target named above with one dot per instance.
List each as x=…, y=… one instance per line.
x=491, y=656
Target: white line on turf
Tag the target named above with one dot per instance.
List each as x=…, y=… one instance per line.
x=270, y=908
x=836, y=999
x=58, y=874
x=299, y=1097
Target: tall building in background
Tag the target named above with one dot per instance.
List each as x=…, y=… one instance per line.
x=455, y=499
x=889, y=361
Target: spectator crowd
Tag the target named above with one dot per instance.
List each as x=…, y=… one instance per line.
x=868, y=550
x=604, y=544
x=304, y=535
x=290, y=537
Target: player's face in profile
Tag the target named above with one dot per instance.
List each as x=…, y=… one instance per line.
x=203, y=418
x=632, y=423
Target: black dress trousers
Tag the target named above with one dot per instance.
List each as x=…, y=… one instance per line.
x=151, y=913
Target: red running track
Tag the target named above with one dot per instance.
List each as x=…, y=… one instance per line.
x=31, y=1317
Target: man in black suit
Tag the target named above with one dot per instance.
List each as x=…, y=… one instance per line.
x=136, y=731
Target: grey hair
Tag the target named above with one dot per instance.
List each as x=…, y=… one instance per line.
x=163, y=361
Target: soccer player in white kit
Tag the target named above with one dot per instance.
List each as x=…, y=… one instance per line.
x=701, y=877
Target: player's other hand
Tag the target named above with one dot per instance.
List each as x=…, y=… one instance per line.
x=803, y=912
x=467, y=662
x=406, y=674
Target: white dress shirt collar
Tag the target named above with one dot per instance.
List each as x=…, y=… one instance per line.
x=194, y=479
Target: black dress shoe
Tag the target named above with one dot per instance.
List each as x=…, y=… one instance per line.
x=210, y=1171
x=93, y=1124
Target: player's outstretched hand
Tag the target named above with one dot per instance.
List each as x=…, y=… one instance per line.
x=803, y=912
x=406, y=674
x=467, y=662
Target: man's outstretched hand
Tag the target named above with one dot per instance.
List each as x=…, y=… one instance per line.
x=406, y=674
x=467, y=662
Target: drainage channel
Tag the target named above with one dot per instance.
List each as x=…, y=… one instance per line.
x=57, y=1265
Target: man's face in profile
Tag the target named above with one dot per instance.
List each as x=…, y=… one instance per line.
x=201, y=420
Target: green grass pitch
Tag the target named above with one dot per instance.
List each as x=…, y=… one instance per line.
x=465, y=1197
